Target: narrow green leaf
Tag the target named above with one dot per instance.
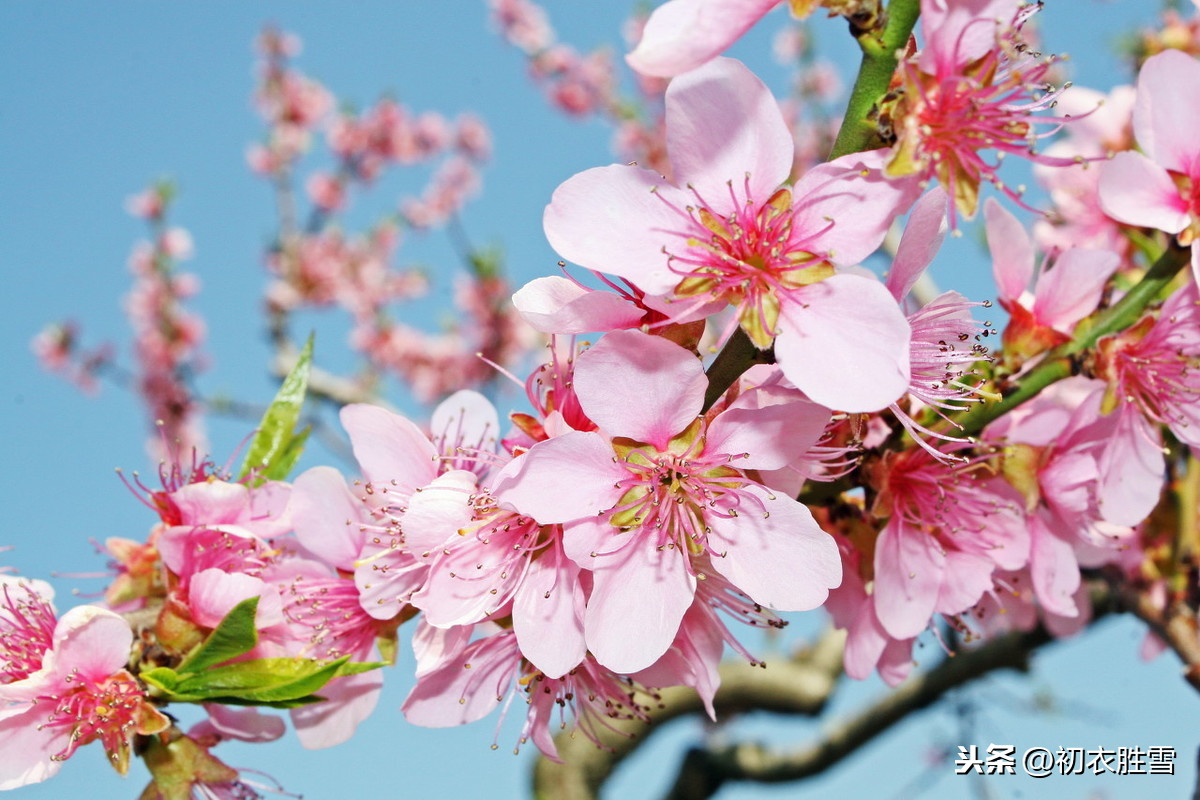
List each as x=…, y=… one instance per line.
x=307, y=700
x=286, y=460
x=275, y=445
x=262, y=680
x=236, y=634
x=359, y=667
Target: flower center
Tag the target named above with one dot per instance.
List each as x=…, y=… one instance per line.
x=107, y=710
x=26, y=632
x=750, y=257
x=674, y=495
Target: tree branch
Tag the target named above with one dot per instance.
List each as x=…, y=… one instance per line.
x=1059, y=362
x=801, y=685
x=704, y=771
x=879, y=60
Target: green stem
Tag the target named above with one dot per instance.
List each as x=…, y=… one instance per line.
x=1059, y=362
x=874, y=77
x=856, y=134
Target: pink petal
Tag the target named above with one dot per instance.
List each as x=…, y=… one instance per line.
x=207, y=503
x=777, y=555
x=845, y=207
x=638, y=600
x=1132, y=470
x=922, y=237
x=389, y=448
x=1072, y=289
x=1054, y=570
x=548, y=615
x=327, y=517
x=26, y=747
x=468, y=582
x=433, y=647
x=772, y=436
x=565, y=478
x=957, y=32
x=680, y=35
x=723, y=124
x=554, y=304
x=693, y=659
x=865, y=642
x=1012, y=251
x=436, y=512
x=466, y=688
x=967, y=577
x=667, y=381
x=845, y=343
x=909, y=570
x=1136, y=191
x=243, y=724
x=618, y=219
x=386, y=578
x=91, y=640
x=1165, y=114
x=348, y=701
x=212, y=594
x=466, y=420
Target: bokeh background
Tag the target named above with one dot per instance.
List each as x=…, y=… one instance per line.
x=98, y=99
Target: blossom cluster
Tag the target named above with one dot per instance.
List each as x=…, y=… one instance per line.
x=858, y=443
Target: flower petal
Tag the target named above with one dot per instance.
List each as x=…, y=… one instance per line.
x=617, y=219
x=1072, y=289
x=723, y=124
x=638, y=600
x=1136, y=191
x=845, y=343
x=640, y=386
x=389, y=448
x=770, y=435
x=680, y=35
x=1165, y=114
x=909, y=570
x=553, y=304
x=326, y=516
x=548, y=615
x=923, y=235
x=565, y=478
x=1012, y=251
x=777, y=555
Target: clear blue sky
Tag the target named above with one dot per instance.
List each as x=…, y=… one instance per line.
x=97, y=100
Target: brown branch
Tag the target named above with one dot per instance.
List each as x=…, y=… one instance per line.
x=1176, y=625
x=800, y=686
x=704, y=771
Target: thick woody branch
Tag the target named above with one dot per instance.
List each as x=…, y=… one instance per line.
x=800, y=686
x=704, y=771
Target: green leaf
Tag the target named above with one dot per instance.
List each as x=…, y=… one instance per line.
x=164, y=679
x=236, y=634
x=277, y=445
x=264, y=680
x=307, y=700
x=286, y=460
x=359, y=667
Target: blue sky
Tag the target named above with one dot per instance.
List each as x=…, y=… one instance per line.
x=96, y=102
